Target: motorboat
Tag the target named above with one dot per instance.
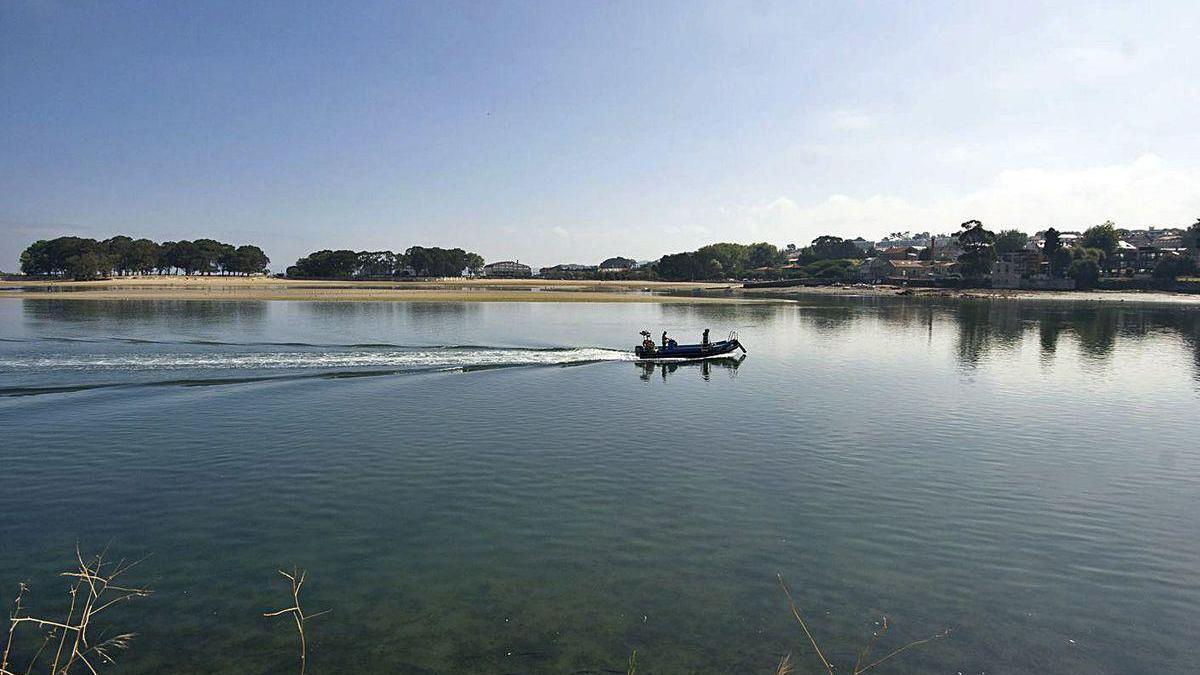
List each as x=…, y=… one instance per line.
x=648, y=351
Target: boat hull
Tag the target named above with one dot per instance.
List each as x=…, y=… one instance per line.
x=688, y=352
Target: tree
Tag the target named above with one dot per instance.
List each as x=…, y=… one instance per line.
x=212, y=255
x=1011, y=241
x=142, y=256
x=87, y=264
x=1060, y=260
x=732, y=260
x=763, y=254
x=1171, y=266
x=326, y=264
x=116, y=253
x=1085, y=271
x=249, y=259
x=474, y=262
x=1103, y=237
x=978, y=247
x=828, y=247
x=1053, y=243
x=679, y=267
x=1191, y=236
x=617, y=263
x=376, y=264
x=35, y=259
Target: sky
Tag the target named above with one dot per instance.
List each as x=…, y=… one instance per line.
x=571, y=131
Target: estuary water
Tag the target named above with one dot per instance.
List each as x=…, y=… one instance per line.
x=498, y=488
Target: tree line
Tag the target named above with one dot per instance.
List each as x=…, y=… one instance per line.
x=717, y=261
x=415, y=261
x=82, y=258
x=1082, y=261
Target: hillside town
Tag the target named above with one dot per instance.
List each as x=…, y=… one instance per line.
x=974, y=256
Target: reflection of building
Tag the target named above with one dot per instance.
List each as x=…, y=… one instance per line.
x=507, y=269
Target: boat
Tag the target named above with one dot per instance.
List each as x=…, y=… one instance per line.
x=647, y=351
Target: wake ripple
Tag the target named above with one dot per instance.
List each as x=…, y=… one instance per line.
x=453, y=357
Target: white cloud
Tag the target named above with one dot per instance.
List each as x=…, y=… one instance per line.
x=1146, y=191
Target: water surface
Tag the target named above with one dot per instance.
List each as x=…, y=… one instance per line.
x=497, y=488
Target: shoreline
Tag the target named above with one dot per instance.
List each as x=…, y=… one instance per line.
x=464, y=290
x=525, y=290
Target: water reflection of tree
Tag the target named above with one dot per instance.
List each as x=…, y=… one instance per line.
x=186, y=312
x=987, y=326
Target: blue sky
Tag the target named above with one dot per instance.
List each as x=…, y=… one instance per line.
x=570, y=131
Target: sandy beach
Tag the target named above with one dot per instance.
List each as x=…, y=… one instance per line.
x=518, y=290
x=464, y=290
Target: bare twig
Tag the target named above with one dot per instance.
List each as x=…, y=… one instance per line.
x=785, y=665
x=92, y=591
x=800, y=620
x=296, y=578
x=866, y=652
x=906, y=647
x=863, y=656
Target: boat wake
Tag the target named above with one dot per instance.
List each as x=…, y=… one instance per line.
x=411, y=357
x=205, y=368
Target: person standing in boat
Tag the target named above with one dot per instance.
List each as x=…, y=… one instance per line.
x=647, y=343
x=704, y=339
x=664, y=339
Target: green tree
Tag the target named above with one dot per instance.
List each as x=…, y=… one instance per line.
x=1011, y=241
x=979, y=250
x=474, y=262
x=142, y=256
x=1085, y=271
x=250, y=259
x=1191, y=236
x=1103, y=237
x=732, y=260
x=1053, y=243
x=829, y=247
x=1060, y=260
x=35, y=259
x=1171, y=266
x=116, y=253
x=763, y=254
x=679, y=267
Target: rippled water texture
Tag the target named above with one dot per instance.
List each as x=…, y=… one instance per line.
x=497, y=488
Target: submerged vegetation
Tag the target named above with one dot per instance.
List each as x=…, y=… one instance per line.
x=80, y=643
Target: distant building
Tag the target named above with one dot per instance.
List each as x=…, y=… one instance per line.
x=1010, y=268
x=901, y=252
x=507, y=269
x=882, y=269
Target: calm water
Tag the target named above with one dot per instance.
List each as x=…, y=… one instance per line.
x=1026, y=474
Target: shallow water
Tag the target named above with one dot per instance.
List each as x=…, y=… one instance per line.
x=496, y=488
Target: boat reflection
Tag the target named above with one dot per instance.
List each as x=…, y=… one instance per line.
x=706, y=367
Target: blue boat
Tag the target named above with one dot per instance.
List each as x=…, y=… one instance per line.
x=648, y=351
